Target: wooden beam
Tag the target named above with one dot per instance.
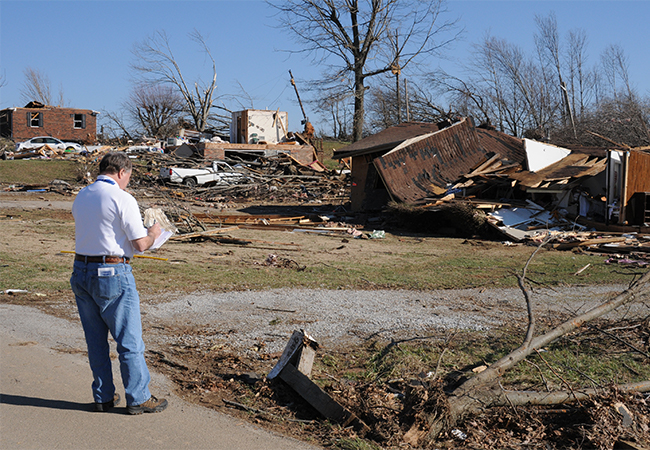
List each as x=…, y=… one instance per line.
x=203, y=233
x=314, y=395
x=588, y=242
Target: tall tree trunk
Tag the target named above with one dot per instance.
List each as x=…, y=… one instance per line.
x=359, y=108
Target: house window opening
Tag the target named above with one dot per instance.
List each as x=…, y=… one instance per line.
x=35, y=119
x=79, y=121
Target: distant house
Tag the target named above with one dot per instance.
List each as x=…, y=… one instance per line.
x=37, y=119
x=254, y=126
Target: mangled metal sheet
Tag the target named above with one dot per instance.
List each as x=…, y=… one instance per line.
x=423, y=166
x=520, y=223
x=540, y=155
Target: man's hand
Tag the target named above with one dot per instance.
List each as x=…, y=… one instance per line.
x=144, y=243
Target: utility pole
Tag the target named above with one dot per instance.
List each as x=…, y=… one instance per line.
x=397, y=70
x=406, y=94
x=293, y=83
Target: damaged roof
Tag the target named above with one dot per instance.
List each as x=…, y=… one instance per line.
x=386, y=139
x=424, y=165
x=509, y=148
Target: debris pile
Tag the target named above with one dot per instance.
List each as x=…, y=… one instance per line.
x=276, y=179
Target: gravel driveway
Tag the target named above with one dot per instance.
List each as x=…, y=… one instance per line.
x=246, y=320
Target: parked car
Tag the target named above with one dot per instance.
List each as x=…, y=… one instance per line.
x=54, y=143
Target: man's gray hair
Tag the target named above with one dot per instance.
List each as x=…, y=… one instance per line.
x=113, y=162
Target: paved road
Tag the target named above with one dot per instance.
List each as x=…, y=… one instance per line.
x=45, y=399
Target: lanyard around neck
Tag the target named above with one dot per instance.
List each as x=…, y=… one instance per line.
x=107, y=180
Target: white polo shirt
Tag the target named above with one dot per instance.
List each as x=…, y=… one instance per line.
x=107, y=219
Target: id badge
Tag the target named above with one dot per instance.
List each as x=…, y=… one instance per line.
x=106, y=271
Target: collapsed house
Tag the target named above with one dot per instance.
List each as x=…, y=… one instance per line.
x=412, y=162
x=37, y=119
x=253, y=134
x=425, y=164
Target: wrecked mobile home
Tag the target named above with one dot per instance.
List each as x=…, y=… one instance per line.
x=426, y=164
x=253, y=133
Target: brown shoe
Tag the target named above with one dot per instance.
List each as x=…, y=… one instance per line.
x=104, y=407
x=150, y=406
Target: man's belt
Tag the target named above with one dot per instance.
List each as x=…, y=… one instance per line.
x=102, y=259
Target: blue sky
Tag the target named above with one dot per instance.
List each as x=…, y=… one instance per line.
x=84, y=47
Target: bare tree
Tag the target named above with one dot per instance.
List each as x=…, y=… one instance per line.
x=116, y=126
x=353, y=38
x=37, y=87
x=625, y=120
x=425, y=107
x=334, y=109
x=616, y=69
x=156, y=64
x=537, y=96
x=383, y=106
x=629, y=109
x=384, y=102
x=155, y=109
x=548, y=44
x=581, y=79
x=508, y=87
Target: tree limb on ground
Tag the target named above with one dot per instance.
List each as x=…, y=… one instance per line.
x=482, y=391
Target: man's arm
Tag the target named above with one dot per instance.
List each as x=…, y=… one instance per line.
x=144, y=243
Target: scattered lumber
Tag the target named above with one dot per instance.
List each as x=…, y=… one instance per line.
x=188, y=236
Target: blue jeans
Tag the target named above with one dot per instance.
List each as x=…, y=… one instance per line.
x=108, y=301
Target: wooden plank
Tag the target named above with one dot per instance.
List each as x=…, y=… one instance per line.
x=588, y=242
x=314, y=395
x=203, y=233
x=294, y=344
x=484, y=165
x=306, y=359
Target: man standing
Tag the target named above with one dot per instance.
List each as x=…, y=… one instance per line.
x=108, y=230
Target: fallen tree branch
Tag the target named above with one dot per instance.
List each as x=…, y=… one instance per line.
x=636, y=291
x=557, y=375
x=480, y=392
x=557, y=397
x=627, y=344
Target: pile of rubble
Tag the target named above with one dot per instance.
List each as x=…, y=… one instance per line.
x=274, y=179
x=44, y=152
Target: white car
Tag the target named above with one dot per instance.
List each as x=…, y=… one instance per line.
x=218, y=173
x=53, y=143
